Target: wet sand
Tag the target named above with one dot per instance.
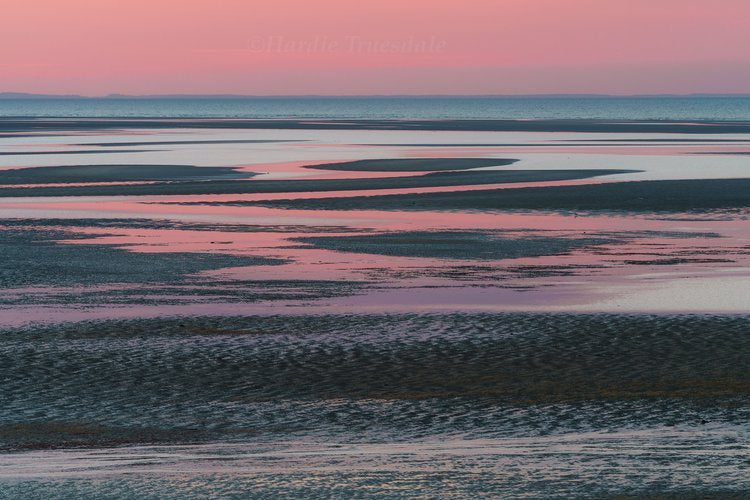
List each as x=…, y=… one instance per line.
x=432, y=179
x=640, y=465
x=366, y=378
x=36, y=256
x=185, y=142
x=46, y=262
x=413, y=164
x=477, y=245
x=116, y=173
x=644, y=196
x=75, y=152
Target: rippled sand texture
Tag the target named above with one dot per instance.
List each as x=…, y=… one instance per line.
x=493, y=395
x=665, y=463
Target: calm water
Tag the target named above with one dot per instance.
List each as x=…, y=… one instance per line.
x=626, y=108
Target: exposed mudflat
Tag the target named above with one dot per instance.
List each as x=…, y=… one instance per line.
x=33, y=256
x=116, y=173
x=644, y=196
x=479, y=245
x=368, y=377
x=432, y=179
x=414, y=164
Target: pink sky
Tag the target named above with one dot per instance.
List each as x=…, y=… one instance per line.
x=374, y=47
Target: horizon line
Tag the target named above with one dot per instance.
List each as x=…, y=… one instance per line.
x=32, y=95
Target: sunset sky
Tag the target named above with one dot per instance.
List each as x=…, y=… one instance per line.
x=263, y=47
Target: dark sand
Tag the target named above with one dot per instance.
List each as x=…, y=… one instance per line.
x=657, y=140
x=590, y=126
x=474, y=245
x=32, y=257
x=368, y=377
x=117, y=173
x=177, y=143
x=414, y=164
x=564, y=143
x=75, y=152
x=643, y=196
x=434, y=179
x=96, y=274
x=376, y=476
x=740, y=153
x=170, y=224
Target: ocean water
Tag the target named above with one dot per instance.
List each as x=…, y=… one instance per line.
x=406, y=108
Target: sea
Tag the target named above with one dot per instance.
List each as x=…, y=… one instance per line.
x=678, y=108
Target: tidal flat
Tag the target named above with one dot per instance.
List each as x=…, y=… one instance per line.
x=672, y=196
x=368, y=308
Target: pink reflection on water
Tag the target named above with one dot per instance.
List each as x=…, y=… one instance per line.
x=400, y=283
x=641, y=244
x=407, y=284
